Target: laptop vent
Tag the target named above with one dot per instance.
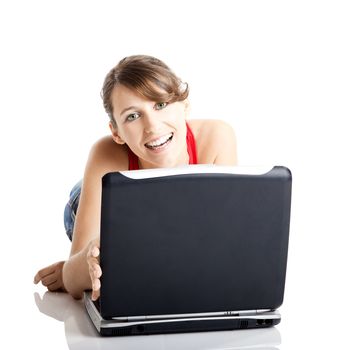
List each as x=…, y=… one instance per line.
x=119, y=332
x=243, y=324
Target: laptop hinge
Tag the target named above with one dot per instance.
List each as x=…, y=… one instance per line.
x=246, y=312
x=209, y=314
x=251, y=312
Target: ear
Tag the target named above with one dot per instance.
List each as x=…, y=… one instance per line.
x=115, y=135
x=187, y=108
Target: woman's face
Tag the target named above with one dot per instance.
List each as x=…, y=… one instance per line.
x=154, y=130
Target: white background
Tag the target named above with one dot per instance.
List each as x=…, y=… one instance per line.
x=277, y=71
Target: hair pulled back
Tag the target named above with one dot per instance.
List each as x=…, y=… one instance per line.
x=146, y=75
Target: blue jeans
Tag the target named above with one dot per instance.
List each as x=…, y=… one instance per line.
x=71, y=209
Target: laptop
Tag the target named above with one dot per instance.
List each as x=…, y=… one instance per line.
x=194, y=248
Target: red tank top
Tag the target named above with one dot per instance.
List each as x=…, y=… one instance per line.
x=191, y=150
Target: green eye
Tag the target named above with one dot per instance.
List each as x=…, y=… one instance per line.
x=132, y=117
x=161, y=105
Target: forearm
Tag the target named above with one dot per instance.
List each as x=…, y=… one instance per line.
x=75, y=273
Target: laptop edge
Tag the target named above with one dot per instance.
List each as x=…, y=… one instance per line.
x=237, y=320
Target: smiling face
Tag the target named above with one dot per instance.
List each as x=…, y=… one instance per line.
x=154, y=130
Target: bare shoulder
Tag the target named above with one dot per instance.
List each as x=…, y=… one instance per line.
x=106, y=156
x=210, y=126
x=216, y=141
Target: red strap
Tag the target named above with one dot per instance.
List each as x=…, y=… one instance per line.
x=191, y=150
x=191, y=146
x=133, y=160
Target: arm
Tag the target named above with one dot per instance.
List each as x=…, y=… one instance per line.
x=82, y=270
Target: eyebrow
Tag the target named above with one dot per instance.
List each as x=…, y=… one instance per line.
x=126, y=109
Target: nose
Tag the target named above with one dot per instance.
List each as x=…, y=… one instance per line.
x=151, y=123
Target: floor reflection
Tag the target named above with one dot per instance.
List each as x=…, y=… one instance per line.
x=81, y=334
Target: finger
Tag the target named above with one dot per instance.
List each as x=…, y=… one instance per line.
x=96, y=285
x=93, y=263
x=54, y=286
x=92, y=260
x=96, y=293
x=95, y=296
x=92, y=254
x=95, y=282
x=97, y=271
x=43, y=273
x=95, y=252
x=46, y=281
x=95, y=267
x=37, y=278
x=39, y=275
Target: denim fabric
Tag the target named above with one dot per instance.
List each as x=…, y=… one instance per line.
x=71, y=209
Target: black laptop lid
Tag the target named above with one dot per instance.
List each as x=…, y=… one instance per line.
x=194, y=243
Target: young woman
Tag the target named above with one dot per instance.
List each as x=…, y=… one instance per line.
x=148, y=110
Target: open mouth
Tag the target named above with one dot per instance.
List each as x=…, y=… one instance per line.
x=161, y=142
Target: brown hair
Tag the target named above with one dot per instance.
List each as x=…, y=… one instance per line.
x=143, y=74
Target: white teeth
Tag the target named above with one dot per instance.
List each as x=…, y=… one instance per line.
x=159, y=141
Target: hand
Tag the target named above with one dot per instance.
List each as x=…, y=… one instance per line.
x=51, y=277
x=95, y=272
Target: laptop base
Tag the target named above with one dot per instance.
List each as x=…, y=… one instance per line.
x=178, y=325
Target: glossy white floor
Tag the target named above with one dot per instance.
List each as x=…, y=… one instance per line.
x=278, y=71
x=81, y=334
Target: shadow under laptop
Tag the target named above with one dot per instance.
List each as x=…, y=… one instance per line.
x=81, y=333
